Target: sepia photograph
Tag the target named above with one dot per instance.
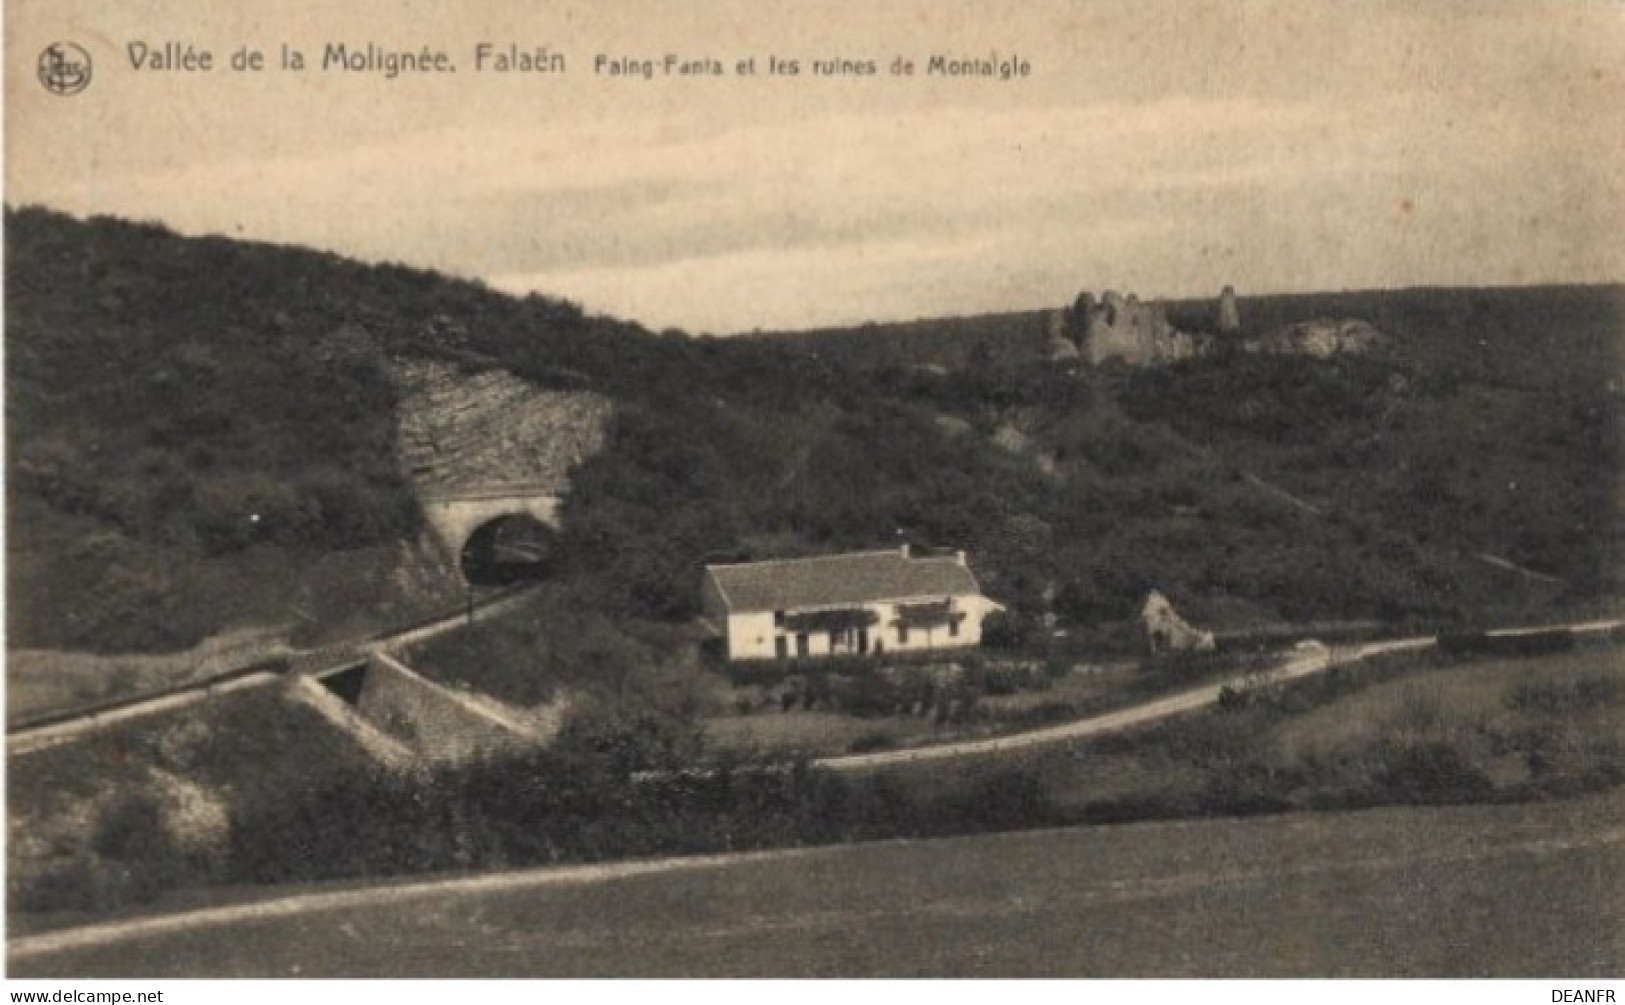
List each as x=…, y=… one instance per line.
x=926, y=489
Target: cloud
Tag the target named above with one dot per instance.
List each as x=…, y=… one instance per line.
x=855, y=214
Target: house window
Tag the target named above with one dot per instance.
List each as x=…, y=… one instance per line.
x=902, y=635
x=953, y=628
x=803, y=644
x=778, y=619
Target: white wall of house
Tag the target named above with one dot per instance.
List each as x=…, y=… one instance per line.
x=757, y=635
x=750, y=636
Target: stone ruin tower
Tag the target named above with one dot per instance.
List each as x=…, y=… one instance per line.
x=1122, y=327
x=1229, y=320
x=1119, y=327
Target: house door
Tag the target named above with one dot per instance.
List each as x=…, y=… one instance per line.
x=863, y=641
x=803, y=644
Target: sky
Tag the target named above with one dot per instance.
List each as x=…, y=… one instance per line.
x=1166, y=148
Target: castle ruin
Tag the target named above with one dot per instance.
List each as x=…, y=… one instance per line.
x=1121, y=327
x=1117, y=327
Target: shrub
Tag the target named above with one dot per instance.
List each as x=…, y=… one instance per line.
x=877, y=739
x=1043, y=714
x=760, y=673
x=1254, y=786
x=1476, y=643
x=1006, y=630
x=1430, y=771
x=1000, y=799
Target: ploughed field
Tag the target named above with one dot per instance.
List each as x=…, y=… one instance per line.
x=1524, y=890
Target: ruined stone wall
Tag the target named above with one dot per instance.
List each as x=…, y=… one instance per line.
x=1123, y=328
x=1167, y=632
x=1228, y=321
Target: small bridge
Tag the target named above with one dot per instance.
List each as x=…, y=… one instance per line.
x=457, y=514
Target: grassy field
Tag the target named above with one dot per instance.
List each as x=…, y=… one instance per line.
x=822, y=733
x=1526, y=890
x=813, y=733
x=1414, y=729
x=1498, y=694
x=41, y=682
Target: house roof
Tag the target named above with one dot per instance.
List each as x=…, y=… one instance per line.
x=832, y=580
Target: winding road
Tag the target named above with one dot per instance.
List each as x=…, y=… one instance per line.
x=1329, y=875
x=1300, y=665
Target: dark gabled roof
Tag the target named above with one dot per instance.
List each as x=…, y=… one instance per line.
x=832, y=580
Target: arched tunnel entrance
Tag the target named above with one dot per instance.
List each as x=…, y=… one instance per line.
x=509, y=549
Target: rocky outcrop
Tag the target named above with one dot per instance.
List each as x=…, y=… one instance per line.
x=1010, y=438
x=195, y=819
x=1321, y=338
x=1167, y=632
x=470, y=430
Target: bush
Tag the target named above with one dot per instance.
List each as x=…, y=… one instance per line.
x=998, y=800
x=877, y=739
x=1006, y=630
x=759, y=673
x=1477, y=643
x=1429, y=771
x=129, y=857
x=1255, y=786
x=1044, y=714
x=1563, y=763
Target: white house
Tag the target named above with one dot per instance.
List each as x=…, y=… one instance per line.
x=853, y=604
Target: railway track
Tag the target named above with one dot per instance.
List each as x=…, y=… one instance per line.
x=320, y=661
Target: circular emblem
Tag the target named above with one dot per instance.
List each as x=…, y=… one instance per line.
x=64, y=68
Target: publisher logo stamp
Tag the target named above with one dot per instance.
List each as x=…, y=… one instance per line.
x=64, y=68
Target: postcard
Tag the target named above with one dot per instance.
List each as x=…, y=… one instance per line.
x=843, y=490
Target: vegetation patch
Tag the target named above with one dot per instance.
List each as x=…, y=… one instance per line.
x=143, y=807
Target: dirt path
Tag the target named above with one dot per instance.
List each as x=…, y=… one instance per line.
x=1161, y=708
x=374, y=897
x=1402, y=891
